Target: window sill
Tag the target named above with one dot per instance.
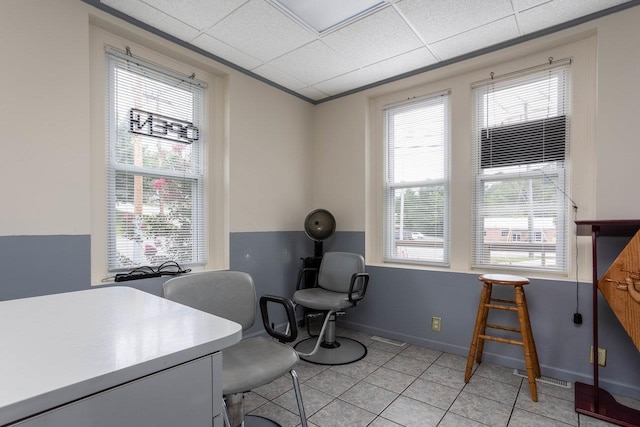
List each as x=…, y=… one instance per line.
x=557, y=276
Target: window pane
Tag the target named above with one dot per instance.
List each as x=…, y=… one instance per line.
x=418, y=137
x=417, y=166
x=156, y=170
x=154, y=153
x=418, y=223
x=519, y=219
x=153, y=220
x=521, y=134
x=524, y=100
x=147, y=105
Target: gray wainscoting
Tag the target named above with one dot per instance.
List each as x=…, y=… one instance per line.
x=40, y=265
x=399, y=303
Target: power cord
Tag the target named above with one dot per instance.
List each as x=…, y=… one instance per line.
x=168, y=268
x=577, y=317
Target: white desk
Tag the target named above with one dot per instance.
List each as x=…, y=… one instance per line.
x=92, y=352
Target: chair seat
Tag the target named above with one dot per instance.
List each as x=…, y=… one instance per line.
x=254, y=362
x=321, y=299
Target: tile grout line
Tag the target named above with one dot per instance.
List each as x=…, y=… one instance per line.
x=446, y=362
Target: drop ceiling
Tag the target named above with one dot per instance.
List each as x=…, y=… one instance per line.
x=393, y=38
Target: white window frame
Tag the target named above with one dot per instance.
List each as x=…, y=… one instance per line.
x=458, y=79
x=117, y=60
x=216, y=154
x=391, y=185
x=558, y=176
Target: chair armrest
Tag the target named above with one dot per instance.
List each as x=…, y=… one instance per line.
x=301, y=274
x=291, y=318
x=356, y=294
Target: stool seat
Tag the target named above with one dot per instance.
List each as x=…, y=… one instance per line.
x=504, y=279
x=519, y=305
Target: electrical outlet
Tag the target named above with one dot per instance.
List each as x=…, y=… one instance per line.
x=602, y=356
x=436, y=323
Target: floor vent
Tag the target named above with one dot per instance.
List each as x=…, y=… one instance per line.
x=389, y=341
x=543, y=379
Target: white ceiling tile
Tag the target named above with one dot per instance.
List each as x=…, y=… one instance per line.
x=200, y=14
x=344, y=82
x=208, y=43
x=312, y=93
x=313, y=63
x=271, y=73
x=378, y=36
x=406, y=62
x=258, y=36
x=559, y=11
x=487, y=35
x=440, y=19
x=155, y=18
x=400, y=64
x=261, y=30
x=528, y=4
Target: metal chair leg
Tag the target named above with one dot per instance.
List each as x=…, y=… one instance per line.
x=296, y=388
x=225, y=416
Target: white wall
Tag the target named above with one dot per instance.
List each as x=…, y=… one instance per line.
x=51, y=113
x=271, y=157
x=44, y=117
x=618, y=130
x=339, y=161
x=616, y=152
x=281, y=149
x=604, y=135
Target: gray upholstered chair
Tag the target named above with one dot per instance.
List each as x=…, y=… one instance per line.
x=340, y=283
x=250, y=363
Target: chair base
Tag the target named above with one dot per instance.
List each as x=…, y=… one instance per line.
x=257, y=421
x=347, y=351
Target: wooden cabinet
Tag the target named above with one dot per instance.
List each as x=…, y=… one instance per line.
x=591, y=399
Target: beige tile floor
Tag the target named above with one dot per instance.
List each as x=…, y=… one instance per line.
x=414, y=386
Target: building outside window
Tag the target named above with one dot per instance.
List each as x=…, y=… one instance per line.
x=521, y=153
x=156, y=137
x=417, y=181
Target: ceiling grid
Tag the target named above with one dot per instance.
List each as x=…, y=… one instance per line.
x=386, y=38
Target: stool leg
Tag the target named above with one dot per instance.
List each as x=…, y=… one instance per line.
x=532, y=343
x=483, y=323
x=476, y=330
x=525, y=329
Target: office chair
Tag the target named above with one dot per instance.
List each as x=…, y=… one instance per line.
x=340, y=283
x=252, y=362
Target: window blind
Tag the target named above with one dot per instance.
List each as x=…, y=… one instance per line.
x=156, y=137
x=521, y=140
x=417, y=181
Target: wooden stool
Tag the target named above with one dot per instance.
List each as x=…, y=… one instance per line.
x=519, y=306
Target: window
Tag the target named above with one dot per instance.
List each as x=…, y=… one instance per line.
x=417, y=181
x=155, y=133
x=521, y=148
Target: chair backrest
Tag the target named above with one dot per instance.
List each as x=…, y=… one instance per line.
x=337, y=268
x=228, y=294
